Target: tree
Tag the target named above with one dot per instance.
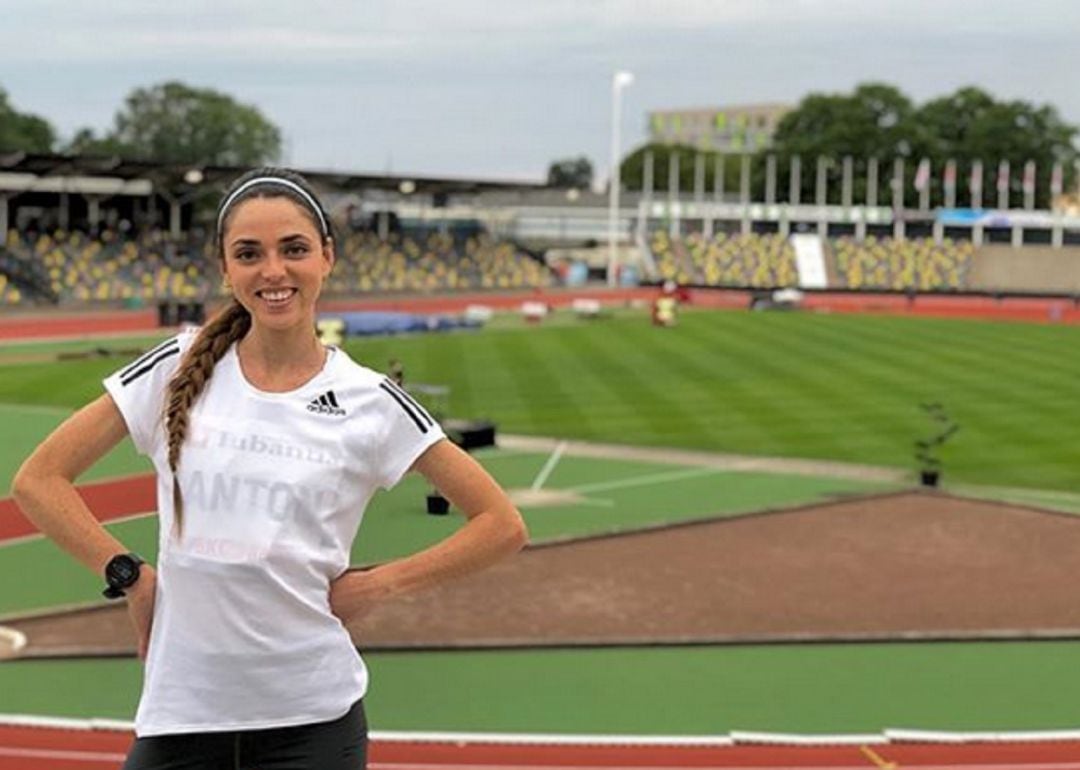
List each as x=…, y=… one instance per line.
x=877, y=120
x=571, y=172
x=175, y=123
x=85, y=142
x=23, y=132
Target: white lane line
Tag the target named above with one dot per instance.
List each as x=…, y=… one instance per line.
x=639, y=481
x=596, y=502
x=101, y=756
x=549, y=466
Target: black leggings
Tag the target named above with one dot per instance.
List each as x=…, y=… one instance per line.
x=337, y=745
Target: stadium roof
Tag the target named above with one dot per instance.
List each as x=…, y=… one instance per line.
x=176, y=178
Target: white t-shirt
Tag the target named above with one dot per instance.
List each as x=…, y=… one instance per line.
x=274, y=486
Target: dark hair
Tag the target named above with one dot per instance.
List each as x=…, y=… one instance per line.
x=274, y=183
x=231, y=324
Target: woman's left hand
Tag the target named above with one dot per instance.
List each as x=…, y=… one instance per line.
x=355, y=594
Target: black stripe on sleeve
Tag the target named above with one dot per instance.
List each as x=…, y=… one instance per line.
x=130, y=378
x=333, y=399
x=408, y=410
x=147, y=356
x=408, y=396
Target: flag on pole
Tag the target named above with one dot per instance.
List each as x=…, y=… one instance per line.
x=1057, y=180
x=976, y=181
x=1003, y=176
x=922, y=174
x=1029, y=177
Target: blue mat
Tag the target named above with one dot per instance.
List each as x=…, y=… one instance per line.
x=368, y=323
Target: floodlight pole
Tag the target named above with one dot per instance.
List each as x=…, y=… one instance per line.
x=620, y=81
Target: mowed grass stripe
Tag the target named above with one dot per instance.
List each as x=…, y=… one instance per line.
x=816, y=386
x=648, y=403
x=846, y=388
x=746, y=412
x=954, y=377
x=784, y=382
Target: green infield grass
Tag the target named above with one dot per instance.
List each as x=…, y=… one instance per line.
x=810, y=386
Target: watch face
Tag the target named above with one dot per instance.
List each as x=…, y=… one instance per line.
x=122, y=571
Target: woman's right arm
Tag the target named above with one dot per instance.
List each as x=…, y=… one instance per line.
x=44, y=488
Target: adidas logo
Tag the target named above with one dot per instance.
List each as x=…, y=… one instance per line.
x=326, y=404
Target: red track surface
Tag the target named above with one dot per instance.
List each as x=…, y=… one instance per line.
x=107, y=499
x=47, y=326
x=65, y=749
x=1031, y=309
x=87, y=324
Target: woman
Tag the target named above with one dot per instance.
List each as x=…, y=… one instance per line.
x=267, y=447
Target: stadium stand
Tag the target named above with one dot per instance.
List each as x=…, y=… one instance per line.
x=726, y=260
x=768, y=261
x=439, y=263
x=918, y=264
x=78, y=267
x=68, y=267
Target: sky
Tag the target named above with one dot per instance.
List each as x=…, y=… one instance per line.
x=498, y=89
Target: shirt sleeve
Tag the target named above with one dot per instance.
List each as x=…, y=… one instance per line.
x=138, y=389
x=408, y=431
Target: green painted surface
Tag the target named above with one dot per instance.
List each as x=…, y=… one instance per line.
x=688, y=691
x=69, y=582
x=121, y=347
x=24, y=427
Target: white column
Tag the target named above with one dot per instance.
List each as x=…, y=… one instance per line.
x=618, y=82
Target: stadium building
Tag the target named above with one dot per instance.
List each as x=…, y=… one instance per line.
x=739, y=128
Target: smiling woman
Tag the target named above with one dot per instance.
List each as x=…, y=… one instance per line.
x=260, y=496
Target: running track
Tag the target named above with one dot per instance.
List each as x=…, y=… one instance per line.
x=1031, y=309
x=59, y=748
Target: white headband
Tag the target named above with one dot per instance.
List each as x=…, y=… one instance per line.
x=283, y=183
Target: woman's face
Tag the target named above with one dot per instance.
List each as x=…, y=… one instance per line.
x=275, y=260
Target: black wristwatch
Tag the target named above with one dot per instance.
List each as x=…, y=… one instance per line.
x=121, y=573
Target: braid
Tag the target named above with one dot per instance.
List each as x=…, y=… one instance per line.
x=185, y=386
